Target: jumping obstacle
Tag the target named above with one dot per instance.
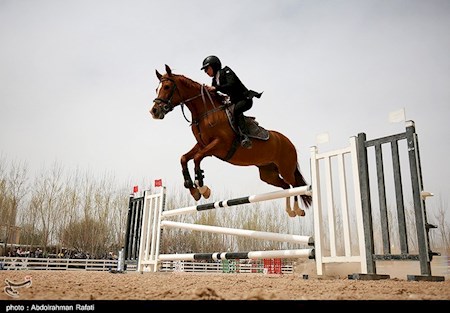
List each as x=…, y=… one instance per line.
x=153, y=215
x=342, y=212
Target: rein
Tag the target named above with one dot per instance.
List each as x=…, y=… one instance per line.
x=169, y=106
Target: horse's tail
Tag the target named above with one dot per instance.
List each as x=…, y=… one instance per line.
x=300, y=181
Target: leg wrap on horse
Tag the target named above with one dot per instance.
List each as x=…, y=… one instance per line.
x=187, y=179
x=199, y=177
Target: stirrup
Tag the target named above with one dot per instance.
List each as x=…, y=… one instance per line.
x=246, y=143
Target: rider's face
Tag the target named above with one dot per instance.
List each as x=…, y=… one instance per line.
x=209, y=71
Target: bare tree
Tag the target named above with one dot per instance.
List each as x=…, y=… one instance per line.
x=48, y=188
x=117, y=217
x=13, y=188
x=68, y=204
x=441, y=216
x=89, y=235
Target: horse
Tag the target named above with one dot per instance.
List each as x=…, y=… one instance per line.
x=274, y=154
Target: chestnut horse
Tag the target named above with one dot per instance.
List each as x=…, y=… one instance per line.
x=275, y=156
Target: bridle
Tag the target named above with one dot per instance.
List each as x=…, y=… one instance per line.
x=168, y=105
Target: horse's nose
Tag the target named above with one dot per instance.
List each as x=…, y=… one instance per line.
x=156, y=113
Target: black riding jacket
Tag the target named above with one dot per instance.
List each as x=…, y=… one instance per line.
x=230, y=85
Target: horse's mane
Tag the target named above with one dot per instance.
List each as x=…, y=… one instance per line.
x=193, y=84
x=189, y=82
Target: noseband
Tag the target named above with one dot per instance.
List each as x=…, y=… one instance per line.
x=168, y=105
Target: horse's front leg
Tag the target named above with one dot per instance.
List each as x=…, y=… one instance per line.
x=188, y=183
x=198, y=157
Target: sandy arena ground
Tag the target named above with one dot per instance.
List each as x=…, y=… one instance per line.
x=82, y=285
x=93, y=287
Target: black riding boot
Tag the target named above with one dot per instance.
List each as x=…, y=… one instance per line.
x=245, y=141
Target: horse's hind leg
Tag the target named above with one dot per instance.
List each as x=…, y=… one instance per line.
x=297, y=208
x=269, y=174
x=289, y=172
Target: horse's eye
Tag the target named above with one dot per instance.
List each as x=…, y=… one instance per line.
x=166, y=87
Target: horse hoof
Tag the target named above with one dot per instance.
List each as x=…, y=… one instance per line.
x=298, y=210
x=207, y=193
x=196, y=194
x=291, y=213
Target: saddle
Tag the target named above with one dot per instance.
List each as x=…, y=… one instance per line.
x=254, y=130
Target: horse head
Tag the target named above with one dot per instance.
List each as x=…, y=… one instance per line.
x=167, y=95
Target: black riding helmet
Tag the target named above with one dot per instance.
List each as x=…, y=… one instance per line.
x=212, y=61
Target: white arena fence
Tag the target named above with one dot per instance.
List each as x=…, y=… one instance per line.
x=27, y=263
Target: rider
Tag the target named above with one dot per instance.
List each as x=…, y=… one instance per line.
x=226, y=81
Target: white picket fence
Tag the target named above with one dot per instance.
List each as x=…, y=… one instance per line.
x=26, y=263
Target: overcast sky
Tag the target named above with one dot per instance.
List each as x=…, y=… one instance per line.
x=77, y=79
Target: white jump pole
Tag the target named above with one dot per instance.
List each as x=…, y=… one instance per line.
x=271, y=254
x=241, y=232
x=304, y=190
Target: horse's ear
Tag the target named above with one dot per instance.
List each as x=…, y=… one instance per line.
x=158, y=75
x=168, y=70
